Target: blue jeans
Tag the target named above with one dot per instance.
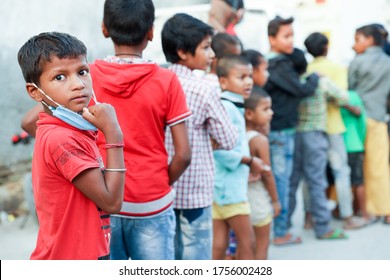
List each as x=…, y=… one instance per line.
x=338, y=161
x=194, y=232
x=149, y=238
x=282, y=151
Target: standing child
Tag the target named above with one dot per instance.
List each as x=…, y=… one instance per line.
x=148, y=99
x=354, y=118
x=186, y=43
x=317, y=45
x=369, y=76
x=231, y=208
x=286, y=90
x=262, y=194
x=73, y=190
x=260, y=65
x=311, y=147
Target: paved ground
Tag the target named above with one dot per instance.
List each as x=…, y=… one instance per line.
x=370, y=243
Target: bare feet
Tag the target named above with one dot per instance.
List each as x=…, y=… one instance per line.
x=288, y=239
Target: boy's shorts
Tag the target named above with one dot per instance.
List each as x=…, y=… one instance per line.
x=355, y=161
x=260, y=204
x=223, y=212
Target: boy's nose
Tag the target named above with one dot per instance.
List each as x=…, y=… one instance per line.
x=78, y=83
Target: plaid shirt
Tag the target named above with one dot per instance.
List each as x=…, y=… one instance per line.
x=312, y=111
x=195, y=187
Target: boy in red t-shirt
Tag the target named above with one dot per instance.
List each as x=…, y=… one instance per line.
x=73, y=191
x=147, y=99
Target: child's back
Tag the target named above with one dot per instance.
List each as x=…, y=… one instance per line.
x=148, y=99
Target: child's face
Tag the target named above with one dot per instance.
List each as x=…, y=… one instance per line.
x=260, y=73
x=68, y=82
x=284, y=40
x=262, y=115
x=239, y=80
x=362, y=43
x=203, y=57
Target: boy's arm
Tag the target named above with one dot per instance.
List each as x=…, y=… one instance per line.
x=221, y=128
x=288, y=79
x=29, y=121
x=182, y=156
x=259, y=147
x=333, y=92
x=106, y=191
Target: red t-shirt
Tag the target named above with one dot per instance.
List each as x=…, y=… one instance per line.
x=147, y=99
x=71, y=225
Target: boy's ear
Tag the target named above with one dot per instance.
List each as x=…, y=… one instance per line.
x=150, y=34
x=105, y=31
x=248, y=114
x=223, y=82
x=182, y=55
x=34, y=92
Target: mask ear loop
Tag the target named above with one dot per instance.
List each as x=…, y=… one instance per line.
x=48, y=97
x=94, y=97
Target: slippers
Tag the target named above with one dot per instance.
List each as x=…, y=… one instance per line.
x=289, y=239
x=372, y=220
x=336, y=234
x=354, y=223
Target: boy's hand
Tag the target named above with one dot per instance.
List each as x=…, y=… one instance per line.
x=258, y=166
x=102, y=116
x=277, y=208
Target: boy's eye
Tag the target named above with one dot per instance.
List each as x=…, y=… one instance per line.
x=60, y=77
x=83, y=72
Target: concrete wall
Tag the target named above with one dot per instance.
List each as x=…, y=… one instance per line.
x=19, y=20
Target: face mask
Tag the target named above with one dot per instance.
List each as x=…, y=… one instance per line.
x=67, y=115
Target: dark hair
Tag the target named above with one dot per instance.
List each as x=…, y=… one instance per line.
x=257, y=94
x=40, y=49
x=274, y=24
x=371, y=31
x=316, y=44
x=298, y=59
x=183, y=32
x=226, y=63
x=382, y=29
x=128, y=21
x=253, y=56
x=221, y=43
x=235, y=4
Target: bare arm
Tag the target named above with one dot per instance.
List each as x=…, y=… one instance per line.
x=259, y=146
x=106, y=191
x=182, y=157
x=29, y=121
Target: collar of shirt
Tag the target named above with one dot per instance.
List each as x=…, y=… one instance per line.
x=127, y=60
x=181, y=70
x=234, y=97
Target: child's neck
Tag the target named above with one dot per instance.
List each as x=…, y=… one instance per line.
x=128, y=51
x=250, y=126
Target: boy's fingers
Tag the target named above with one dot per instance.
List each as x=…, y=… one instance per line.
x=87, y=114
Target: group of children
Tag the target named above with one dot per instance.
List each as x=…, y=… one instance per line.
x=178, y=160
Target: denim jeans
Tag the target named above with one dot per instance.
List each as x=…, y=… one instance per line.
x=194, y=232
x=150, y=238
x=338, y=161
x=282, y=151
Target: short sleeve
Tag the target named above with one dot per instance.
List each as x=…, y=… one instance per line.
x=177, y=106
x=71, y=156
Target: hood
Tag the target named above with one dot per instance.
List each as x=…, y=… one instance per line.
x=120, y=79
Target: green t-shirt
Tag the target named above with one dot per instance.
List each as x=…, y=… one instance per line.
x=355, y=134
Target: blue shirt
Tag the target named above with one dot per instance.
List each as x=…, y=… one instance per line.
x=231, y=177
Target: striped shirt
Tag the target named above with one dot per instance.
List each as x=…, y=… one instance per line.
x=195, y=187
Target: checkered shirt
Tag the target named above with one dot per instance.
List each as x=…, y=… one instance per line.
x=195, y=187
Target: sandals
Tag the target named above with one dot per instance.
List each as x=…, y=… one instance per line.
x=289, y=239
x=336, y=234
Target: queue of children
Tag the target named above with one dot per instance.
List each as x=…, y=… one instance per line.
x=179, y=160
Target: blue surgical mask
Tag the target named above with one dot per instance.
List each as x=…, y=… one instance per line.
x=68, y=116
